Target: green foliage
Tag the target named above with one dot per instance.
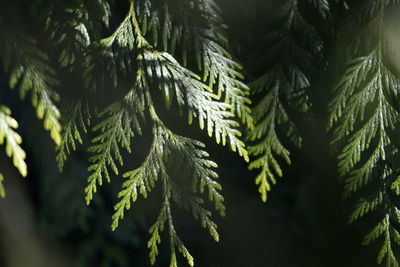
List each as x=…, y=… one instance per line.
x=198, y=31
x=76, y=120
x=34, y=74
x=178, y=51
x=165, y=148
x=365, y=113
x=130, y=52
x=158, y=165
x=295, y=48
x=29, y=69
x=116, y=130
x=12, y=141
x=204, y=82
x=70, y=25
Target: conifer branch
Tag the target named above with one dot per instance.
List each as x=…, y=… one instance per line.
x=32, y=73
x=157, y=166
x=29, y=69
x=164, y=71
x=269, y=119
x=295, y=50
x=198, y=32
x=117, y=128
x=75, y=121
x=12, y=142
x=364, y=113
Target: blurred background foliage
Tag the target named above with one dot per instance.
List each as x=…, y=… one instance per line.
x=302, y=224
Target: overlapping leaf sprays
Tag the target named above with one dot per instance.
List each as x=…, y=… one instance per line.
x=364, y=114
x=30, y=71
x=134, y=51
x=294, y=49
x=177, y=51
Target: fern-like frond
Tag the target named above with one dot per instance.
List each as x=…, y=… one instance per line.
x=364, y=113
x=390, y=237
x=112, y=55
x=164, y=71
x=68, y=28
x=364, y=91
x=199, y=32
x=270, y=114
x=120, y=120
x=155, y=230
x=294, y=50
x=76, y=118
x=202, y=170
x=143, y=178
x=220, y=70
x=12, y=141
x=165, y=217
x=31, y=72
x=358, y=70
x=165, y=149
x=203, y=104
x=368, y=148
x=194, y=205
x=128, y=51
x=28, y=68
x=196, y=97
x=73, y=25
x=364, y=206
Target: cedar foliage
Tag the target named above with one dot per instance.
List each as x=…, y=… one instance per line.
x=178, y=51
x=364, y=113
x=142, y=49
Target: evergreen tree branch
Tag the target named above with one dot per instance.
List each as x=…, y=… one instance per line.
x=117, y=128
x=157, y=165
x=75, y=121
x=364, y=113
x=32, y=73
x=12, y=141
x=197, y=30
x=295, y=49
